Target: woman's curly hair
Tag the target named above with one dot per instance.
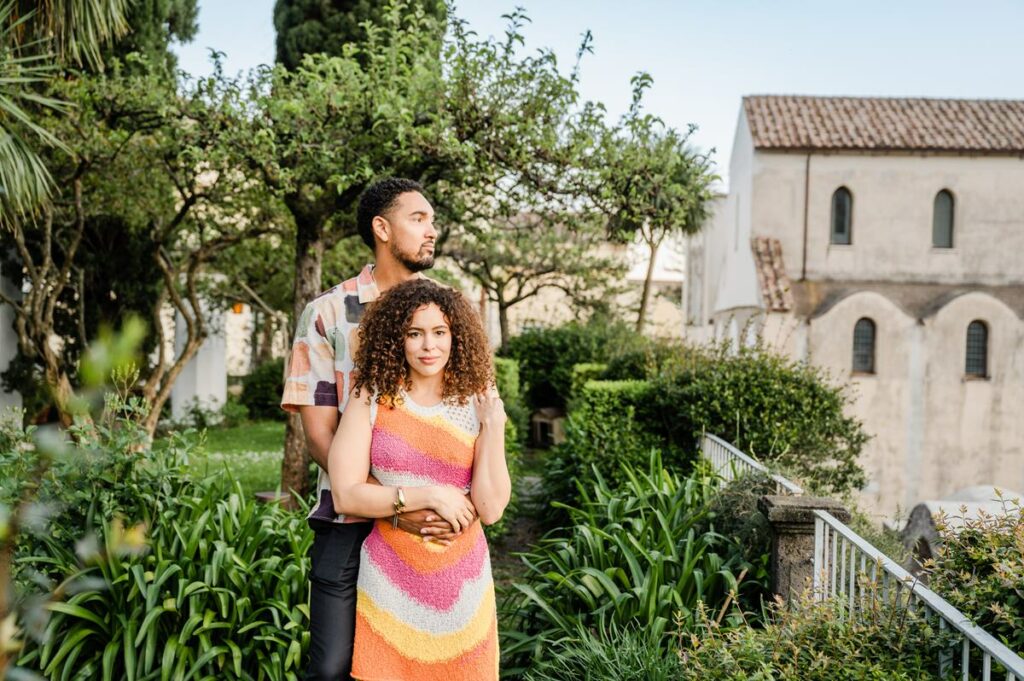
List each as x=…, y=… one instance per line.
x=380, y=366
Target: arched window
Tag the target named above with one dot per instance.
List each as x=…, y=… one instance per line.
x=977, y=349
x=842, y=216
x=942, y=220
x=864, y=346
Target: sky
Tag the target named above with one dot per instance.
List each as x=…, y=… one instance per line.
x=705, y=55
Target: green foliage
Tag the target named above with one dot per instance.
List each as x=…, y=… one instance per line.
x=584, y=373
x=619, y=653
x=155, y=24
x=547, y=355
x=820, y=641
x=310, y=26
x=602, y=434
x=99, y=473
x=980, y=570
x=784, y=413
x=262, y=389
x=233, y=413
x=506, y=373
x=646, y=358
x=733, y=513
x=630, y=556
x=220, y=594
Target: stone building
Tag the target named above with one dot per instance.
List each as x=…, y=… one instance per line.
x=883, y=239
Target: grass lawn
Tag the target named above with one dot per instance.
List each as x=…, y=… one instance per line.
x=252, y=452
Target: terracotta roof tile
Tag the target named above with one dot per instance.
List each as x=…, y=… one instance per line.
x=771, y=274
x=886, y=124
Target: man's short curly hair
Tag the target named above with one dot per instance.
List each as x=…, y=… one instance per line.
x=380, y=366
x=378, y=199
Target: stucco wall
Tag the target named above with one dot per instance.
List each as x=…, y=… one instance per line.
x=893, y=201
x=933, y=430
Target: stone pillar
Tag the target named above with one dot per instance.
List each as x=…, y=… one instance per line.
x=8, y=344
x=792, y=524
x=204, y=380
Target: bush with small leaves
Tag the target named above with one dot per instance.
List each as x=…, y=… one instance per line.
x=980, y=570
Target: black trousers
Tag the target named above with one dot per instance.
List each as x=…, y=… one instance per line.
x=332, y=600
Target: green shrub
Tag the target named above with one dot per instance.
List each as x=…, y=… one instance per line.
x=262, y=389
x=630, y=556
x=506, y=373
x=733, y=513
x=980, y=570
x=233, y=413
x=98, y=473
x=583, y=374
x=647, y=359
x=547, y=356
x=819, y=641
x=602, y=433
x=622, y=654
x=786, y=414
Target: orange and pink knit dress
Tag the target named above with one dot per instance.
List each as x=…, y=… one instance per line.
x=424, y=611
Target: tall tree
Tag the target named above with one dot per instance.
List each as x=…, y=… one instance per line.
x=517, y=258
x=154, y=25
x=188, y=203
x=326, y=26
x=457, y=118
x=655, y=183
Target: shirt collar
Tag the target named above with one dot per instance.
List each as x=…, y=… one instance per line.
x=366, y=286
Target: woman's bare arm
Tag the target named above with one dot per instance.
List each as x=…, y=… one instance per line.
x=348, y=465
x=491, y=488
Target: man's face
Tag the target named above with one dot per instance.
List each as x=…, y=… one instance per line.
x=410, y=227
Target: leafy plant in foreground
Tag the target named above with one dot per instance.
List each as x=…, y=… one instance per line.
x=630, y=556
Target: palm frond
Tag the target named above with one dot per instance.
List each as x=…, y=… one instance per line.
x=80, y=27
x=25, y=181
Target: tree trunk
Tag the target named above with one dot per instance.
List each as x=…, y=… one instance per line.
x=60, y=387
x=309, y=253
x=503, y=322
x=645, y=296
x=266, y=339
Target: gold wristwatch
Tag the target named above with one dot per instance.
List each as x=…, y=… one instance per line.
x=399, y=506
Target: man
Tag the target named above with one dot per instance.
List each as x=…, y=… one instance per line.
x=397, y=222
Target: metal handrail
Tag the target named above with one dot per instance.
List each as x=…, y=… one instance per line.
x=729, y=462
x=838, y=551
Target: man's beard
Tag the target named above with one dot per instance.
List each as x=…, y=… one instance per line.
x=416, y=263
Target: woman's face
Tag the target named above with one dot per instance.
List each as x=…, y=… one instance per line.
x=428, y=341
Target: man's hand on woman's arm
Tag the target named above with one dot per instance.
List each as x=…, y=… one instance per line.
x=425, y=523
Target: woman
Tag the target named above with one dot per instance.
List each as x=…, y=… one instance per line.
x=426, y=422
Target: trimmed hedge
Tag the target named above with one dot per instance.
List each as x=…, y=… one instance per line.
x=547, y=356
x=506, y=375
x=604, y=434
x=786, y=414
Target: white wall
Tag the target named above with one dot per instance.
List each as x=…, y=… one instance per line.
x=8, y=343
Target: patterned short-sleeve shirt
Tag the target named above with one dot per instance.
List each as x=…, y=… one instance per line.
x=320, y=370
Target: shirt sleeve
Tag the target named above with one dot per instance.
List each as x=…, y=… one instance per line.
x=311, y=379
